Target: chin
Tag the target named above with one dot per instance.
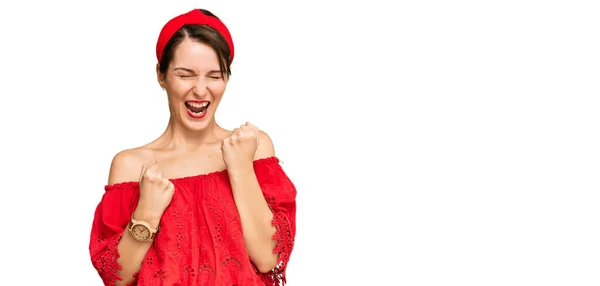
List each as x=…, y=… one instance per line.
x=196, y=122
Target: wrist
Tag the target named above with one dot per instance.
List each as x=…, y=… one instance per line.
x=241, y=170
x=150, y=217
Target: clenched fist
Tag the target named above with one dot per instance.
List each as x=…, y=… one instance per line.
x=239, y=148
x=156, y=191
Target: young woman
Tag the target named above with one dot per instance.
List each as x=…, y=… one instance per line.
x=210, y=206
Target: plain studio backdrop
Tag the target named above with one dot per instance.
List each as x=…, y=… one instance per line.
x=431, y=142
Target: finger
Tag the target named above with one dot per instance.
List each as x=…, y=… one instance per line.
x=165, y=181
x=251, y=125
x=236, y=131
x=152, y=168
x=234, y=139
x=146, y=166
x=245, y=128
x=252, y=128
x=250, y=131
x=170, y=187
x=153, y=172
x=159, y=173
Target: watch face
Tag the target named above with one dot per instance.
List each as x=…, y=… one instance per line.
x=140, y=232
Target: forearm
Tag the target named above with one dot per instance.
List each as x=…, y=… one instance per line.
x=256, y=218
x=132, y=252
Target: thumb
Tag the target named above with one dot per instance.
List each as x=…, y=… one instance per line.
x=251, y=126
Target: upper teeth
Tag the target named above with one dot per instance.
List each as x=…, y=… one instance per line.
x=198, y=104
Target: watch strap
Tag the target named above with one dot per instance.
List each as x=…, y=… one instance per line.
x=133, y=222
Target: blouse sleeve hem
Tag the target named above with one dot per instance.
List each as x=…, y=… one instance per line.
x=106, y=262
x=107, y=265
x=284, y=246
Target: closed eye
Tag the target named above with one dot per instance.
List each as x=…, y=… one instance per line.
x=184, y=73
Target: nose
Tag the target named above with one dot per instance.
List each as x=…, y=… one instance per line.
x=201, y=87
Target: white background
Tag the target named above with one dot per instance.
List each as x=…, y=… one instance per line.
x=432, y=143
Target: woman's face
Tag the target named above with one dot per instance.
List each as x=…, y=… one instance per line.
x=194, y=84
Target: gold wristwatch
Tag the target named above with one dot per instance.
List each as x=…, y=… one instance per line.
x=141, y=230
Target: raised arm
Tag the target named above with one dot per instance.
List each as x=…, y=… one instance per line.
x=115, y=253
x=265, y=199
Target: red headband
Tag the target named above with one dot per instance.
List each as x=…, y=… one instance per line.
x=192, y=17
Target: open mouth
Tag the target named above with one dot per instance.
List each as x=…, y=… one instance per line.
x=197, y=108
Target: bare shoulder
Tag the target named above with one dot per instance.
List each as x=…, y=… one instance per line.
x=265, y=146
x=127, y=165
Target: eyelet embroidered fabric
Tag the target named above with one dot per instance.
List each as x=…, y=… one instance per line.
x=200, y=240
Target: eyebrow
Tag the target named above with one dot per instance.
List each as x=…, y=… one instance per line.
x=191, y=71
x=184, y=69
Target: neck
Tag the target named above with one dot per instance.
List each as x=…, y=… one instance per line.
x=176, y=136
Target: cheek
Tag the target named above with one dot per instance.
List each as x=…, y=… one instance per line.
x=217, y=88
x=179, y=88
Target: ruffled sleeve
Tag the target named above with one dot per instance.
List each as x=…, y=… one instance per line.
x=280, y=193
x=110, y=220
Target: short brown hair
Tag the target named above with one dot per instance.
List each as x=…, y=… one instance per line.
x=203, y=34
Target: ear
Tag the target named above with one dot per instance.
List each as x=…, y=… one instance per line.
x=160, y=77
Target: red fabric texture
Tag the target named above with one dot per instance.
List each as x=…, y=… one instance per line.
x=200, y=241
x=192, y=17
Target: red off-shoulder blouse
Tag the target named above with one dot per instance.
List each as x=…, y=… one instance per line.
x=200, y=240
